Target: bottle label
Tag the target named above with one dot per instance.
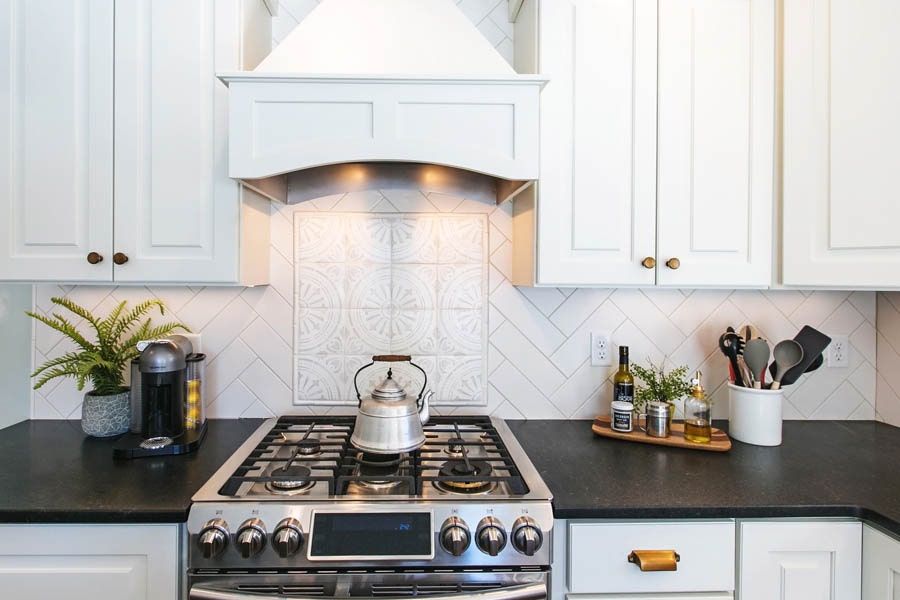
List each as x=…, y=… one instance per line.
x=623, y=392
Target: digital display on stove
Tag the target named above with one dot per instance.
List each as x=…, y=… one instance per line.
x=371, y=535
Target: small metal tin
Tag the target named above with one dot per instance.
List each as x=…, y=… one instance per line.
x=656, y=419
x=622, y=415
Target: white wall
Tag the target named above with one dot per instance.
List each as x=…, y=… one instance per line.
x=15, y=358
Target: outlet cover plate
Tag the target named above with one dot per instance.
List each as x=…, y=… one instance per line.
x=601, y=349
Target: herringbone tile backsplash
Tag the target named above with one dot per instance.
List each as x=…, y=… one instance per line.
x=537, y=357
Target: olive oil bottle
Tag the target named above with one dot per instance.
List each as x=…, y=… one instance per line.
x=697, y=425
x=623, y=380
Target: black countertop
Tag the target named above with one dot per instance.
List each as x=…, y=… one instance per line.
x=51, y=472
x=822, y=468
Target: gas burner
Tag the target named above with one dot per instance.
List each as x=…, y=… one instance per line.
x=309, y=448
x=473, y=470
x=378, y=465
x=455, y=447
x=290, y=480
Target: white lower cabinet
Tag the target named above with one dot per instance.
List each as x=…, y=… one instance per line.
x=87, y=562
x=881, y=566
x=799, y=560
x=598, y=559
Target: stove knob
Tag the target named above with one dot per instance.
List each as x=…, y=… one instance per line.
x=287, y=537
x=251, y=537
x=490, y=536
x=526, y=536
x=213, y=538
x=455, y=536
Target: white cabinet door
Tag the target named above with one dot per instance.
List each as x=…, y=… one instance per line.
x=177, y=212
x=799, y=560
x=881, y=566
x=645, y=157
x=841, y=125
x=716, y=142
x=87, y=562
x=596, y=208
x=56, y=131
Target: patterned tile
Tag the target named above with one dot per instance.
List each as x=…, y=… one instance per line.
x=429, y=300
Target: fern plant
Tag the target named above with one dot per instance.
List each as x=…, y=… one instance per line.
x=103, y=361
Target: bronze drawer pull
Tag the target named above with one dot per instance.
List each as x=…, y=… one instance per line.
x=655, y=560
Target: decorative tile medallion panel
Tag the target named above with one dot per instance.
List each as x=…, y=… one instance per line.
x=377, y=283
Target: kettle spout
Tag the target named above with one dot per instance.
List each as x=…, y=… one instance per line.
x=423, y=410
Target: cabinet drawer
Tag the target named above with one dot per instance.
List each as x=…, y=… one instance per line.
x=598, y=556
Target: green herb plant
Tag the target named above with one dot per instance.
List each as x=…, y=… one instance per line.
x=103, y=361
x=659, y=385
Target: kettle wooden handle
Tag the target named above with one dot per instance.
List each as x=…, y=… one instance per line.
x=655, y=560
x=391, y=358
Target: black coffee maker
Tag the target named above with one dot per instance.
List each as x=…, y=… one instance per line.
x=159, y=399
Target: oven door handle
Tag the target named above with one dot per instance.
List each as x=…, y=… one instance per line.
x=532, y=591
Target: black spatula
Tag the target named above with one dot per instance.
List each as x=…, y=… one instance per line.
x=814, y=343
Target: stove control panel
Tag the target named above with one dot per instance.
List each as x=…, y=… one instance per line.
x=369, y=534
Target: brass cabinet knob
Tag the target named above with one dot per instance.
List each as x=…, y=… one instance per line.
x=94, y=258
x=119, y=258
x=649, y=262
x=673, y=263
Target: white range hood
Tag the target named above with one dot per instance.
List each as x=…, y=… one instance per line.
x=366, y=93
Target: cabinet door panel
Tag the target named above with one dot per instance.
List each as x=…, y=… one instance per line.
x=177, y=212
x=56, y=134
x=596, y=205
x=841, y=92
x=881, y=566
x=137, y=562
x=716, y=127
x=800, y=561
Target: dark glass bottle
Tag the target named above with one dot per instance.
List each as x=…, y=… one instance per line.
x=623, y=381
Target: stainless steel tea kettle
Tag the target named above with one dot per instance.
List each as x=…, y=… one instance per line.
x=388, y=422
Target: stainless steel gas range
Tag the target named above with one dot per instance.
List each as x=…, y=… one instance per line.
x=299, y=512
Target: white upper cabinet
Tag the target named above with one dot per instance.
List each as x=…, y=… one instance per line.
x=56, y=132
x=118, y=144
x=841, y=126
x=654, y=171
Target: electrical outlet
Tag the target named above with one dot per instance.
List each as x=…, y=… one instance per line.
x=601, y=350
x=838, y=351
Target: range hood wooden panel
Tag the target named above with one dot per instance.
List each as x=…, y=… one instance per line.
x=285, y=123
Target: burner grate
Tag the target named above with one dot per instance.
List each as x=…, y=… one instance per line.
x=336, y=466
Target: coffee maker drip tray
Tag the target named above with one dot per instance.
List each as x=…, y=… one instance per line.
x=133, y=445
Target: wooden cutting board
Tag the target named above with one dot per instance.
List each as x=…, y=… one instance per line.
x=720, y=441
